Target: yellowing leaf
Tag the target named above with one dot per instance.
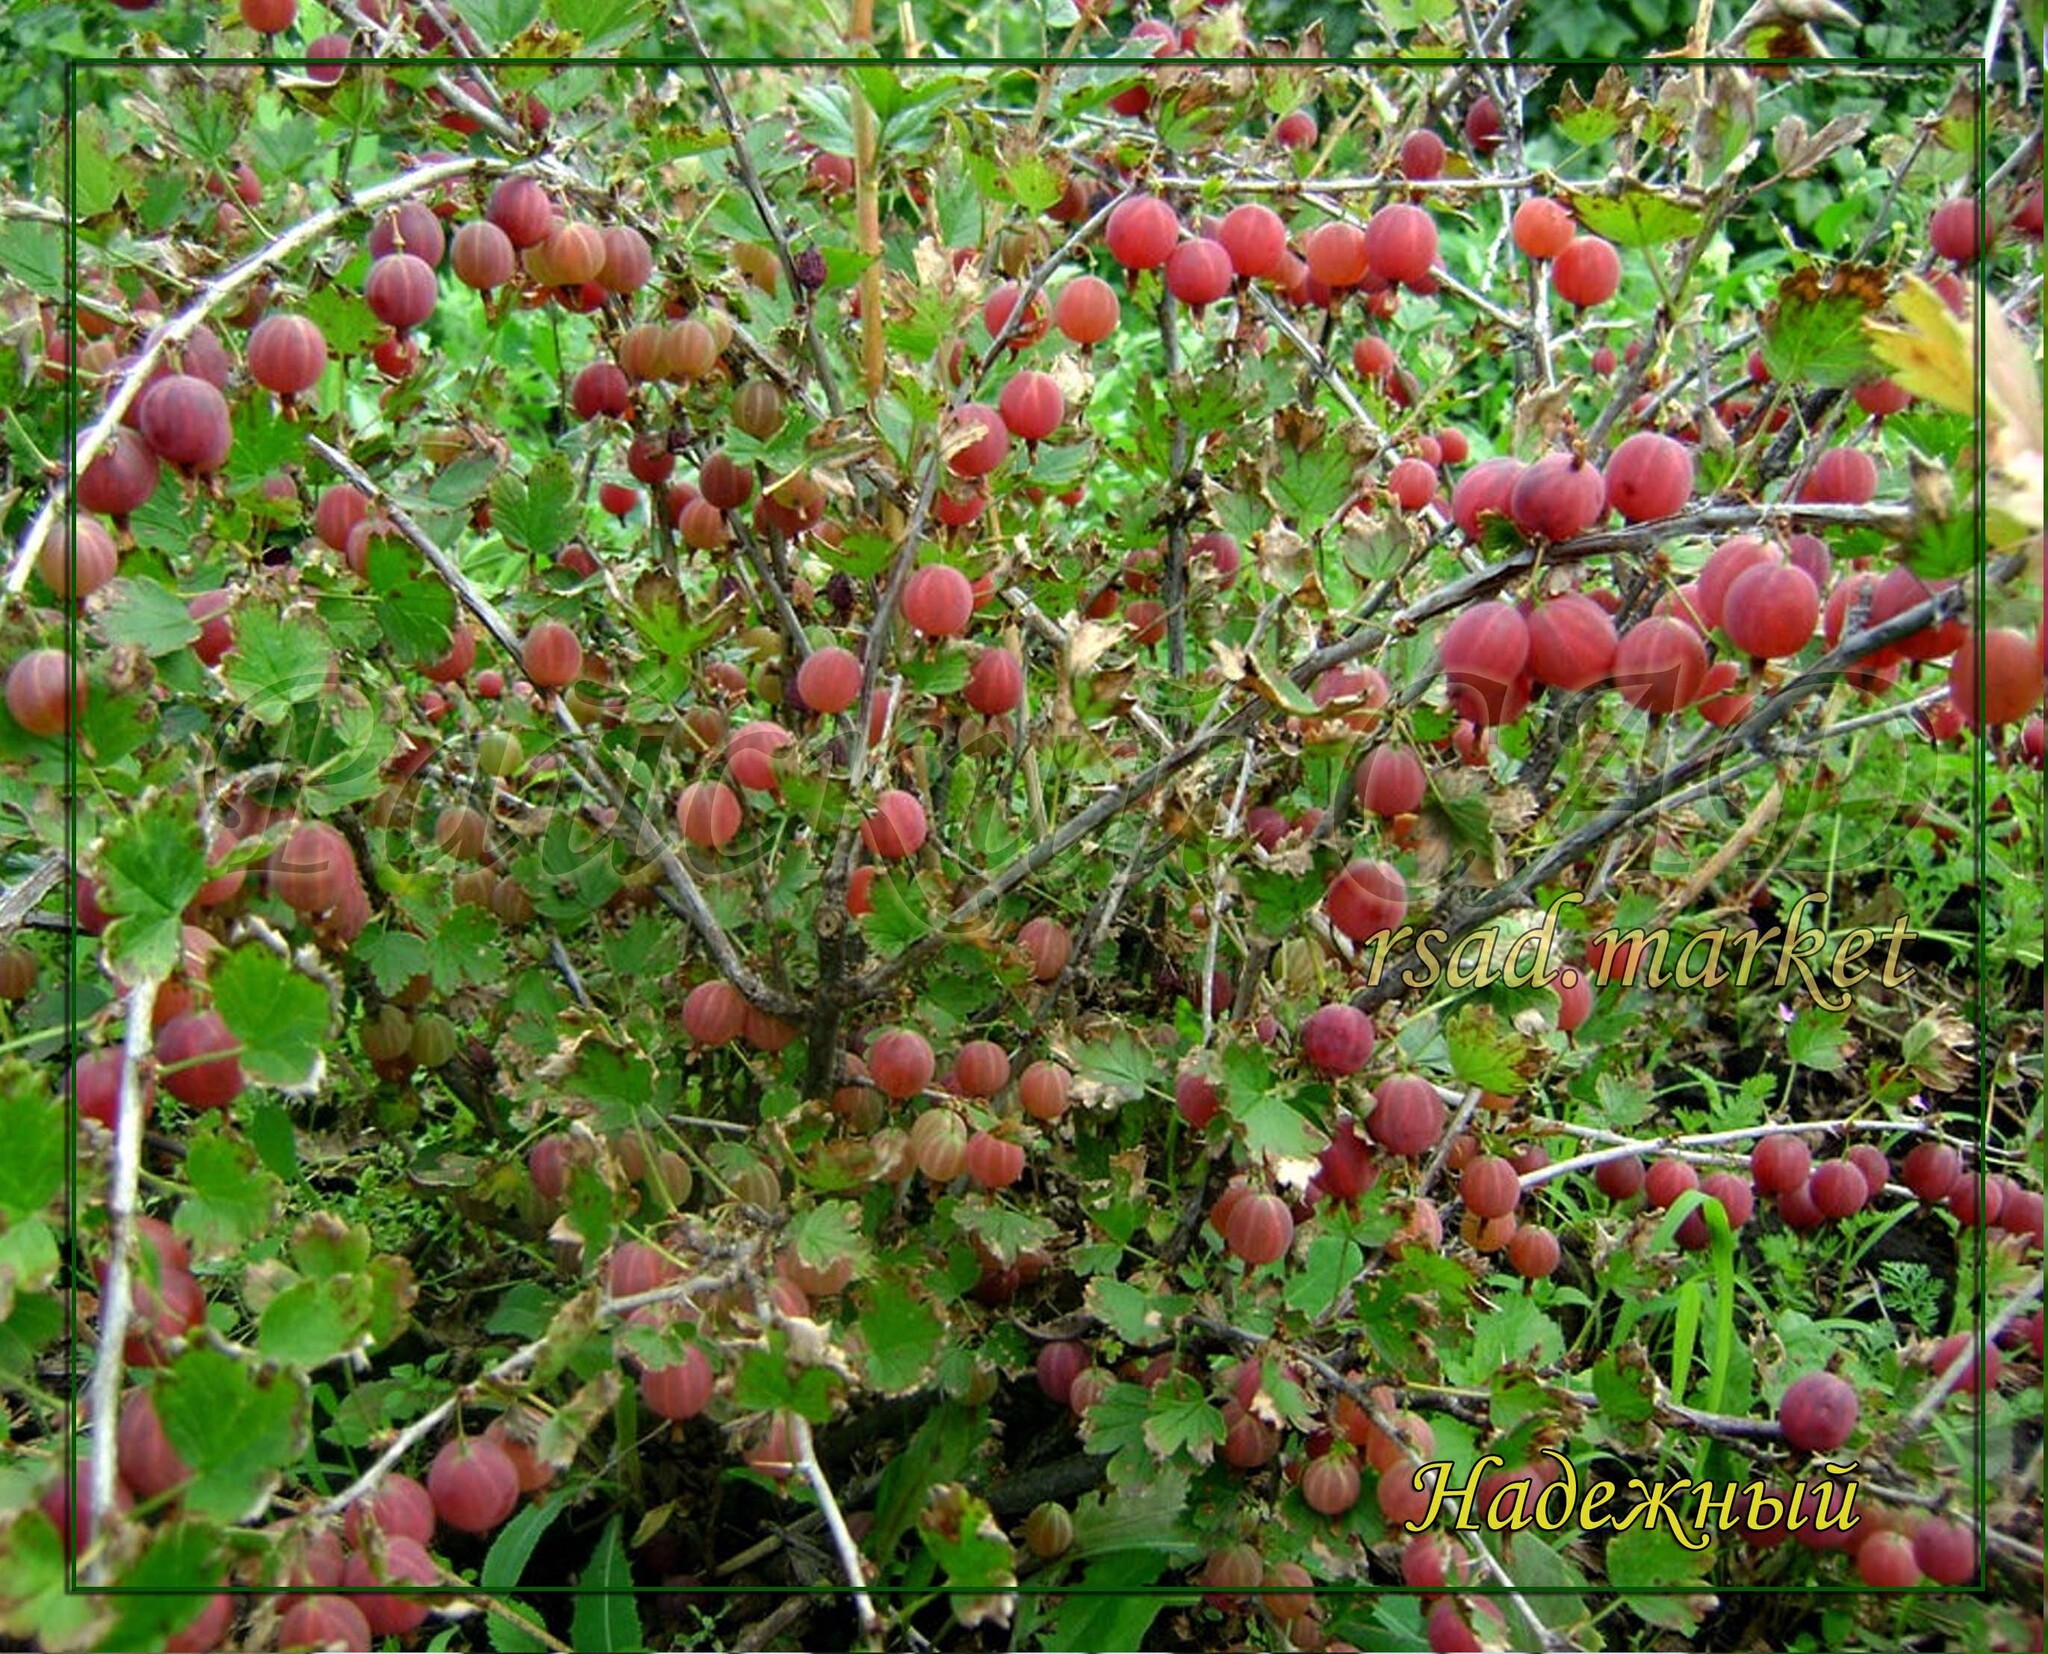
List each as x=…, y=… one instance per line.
x=1930, y=355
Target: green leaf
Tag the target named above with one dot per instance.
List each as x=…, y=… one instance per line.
x=36, y=1602
x=1182, y=1419
x=607, y=1616
x=163, y=1592
x=150, y=867
x=146, y=616
x=275, y=665
x=1275, y=1121
x=1117, y=1603
x=1642, y=1559
x=232, y=1203
x=1485, y=1050
x=1121, y=1064
x=505, y=1565
x=1626, y=1387
x=345, y=317
x=1307, y=485
x=602, y=24
x=32, y=1126
x=973, y=1553
x=537, y=513
x=235, y=1425
x=1138, y=1314
x=416, y=617
x=34, y=253
x=279, y=1015
x=394, y=957
x=1814, y=332
x=1329, y=1266
x=499, y=22
x=900, y=1336
x=1632, y=214
x=827, y=1233
x=1818, y=1039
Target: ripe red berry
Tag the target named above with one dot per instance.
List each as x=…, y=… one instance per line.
x=410, y=227
x=270, y=16
x=1770, y=611
x=1422, y=156
x=1885, y=1562
x=1199, y=272
x=324, y=1622
x=1490, y=1187
x=1044, y=1090
x=1931, y=1171
x=1390, y=782
x=1141, y=232
x=1486, y=488
x=1412, y=482
x=1841, y=476
x=185, y=421
x=1408, y=1116
x=1330, y=1484
x=1660, y=665
x=1543, y=228
x=1295, y=130
x=1956, y=230
x=551, y=656
x=1087, y=310
x=601, y=391
x=483, y=256
x=313, y=869
x=995, y=685
x=938, y=601
x=46, y=693
x=287, y=354
x=1730, y=561
x=1337, y=1039
x=993, y=1162
x=1587, y=272
x=987, y=444
x=829, y=679
x=1780, y=1162
x=1255, y=239
x=1260, y=1229
x=1666, y=1181
x=1817, y=1413
x=1482, y=125
x=121, y=477
x=2007, y=687
x=708, y=814
x=196, y=1060
x=1945, y=1551
x=1838, y=1189
x=1533, y=1253
x=681, y=1390
x=1649, y=476
x=1401, y=243
x=402, y=291
x=1336, y=254
x=1560, y=496
x=1031, y=405
x=1571, y=642
x=1367, y=898
x=897, y=828
x=714, y=1013
x=473, y=1484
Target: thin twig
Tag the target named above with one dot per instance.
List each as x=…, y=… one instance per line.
x=110, y=1360
x=805, y=1456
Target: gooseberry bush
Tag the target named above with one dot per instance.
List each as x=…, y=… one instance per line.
x=768, y=827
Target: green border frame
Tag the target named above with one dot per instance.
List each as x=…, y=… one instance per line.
x=692, y=61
